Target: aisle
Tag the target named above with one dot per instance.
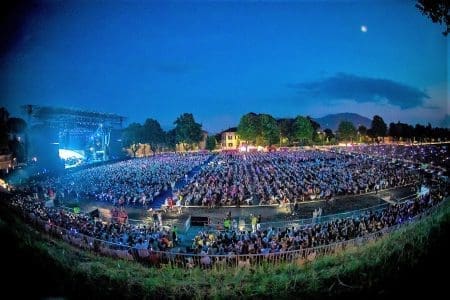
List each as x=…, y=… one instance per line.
x=159, y=200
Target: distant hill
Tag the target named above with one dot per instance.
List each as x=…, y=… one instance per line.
x=332, y=121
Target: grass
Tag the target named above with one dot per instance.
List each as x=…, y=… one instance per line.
x=401, y=262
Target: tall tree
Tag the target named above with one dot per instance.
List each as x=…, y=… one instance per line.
x=303, y=130
x=420, y=132
x=269, y=130
x=287, y=133
x=211, y=142
x=249, y=127
x=362, y=132
x=132, y=136
x=171, y=139
x=188, y=132
x=346, y=131
x=329, y=136
x=153, y=134
x=378, y=127
x=316, y=127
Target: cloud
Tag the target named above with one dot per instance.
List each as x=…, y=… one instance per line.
x=173, y=68
x=363, y=89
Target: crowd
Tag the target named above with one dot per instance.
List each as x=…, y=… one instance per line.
x=288, y=177
x=128, y=183
x=231, y=241
x=232, y=178
x=433, y=155
x=117, y=232
x=278, y=240
x=245, y=178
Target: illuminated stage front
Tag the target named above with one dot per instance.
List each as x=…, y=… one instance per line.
x=70, y=137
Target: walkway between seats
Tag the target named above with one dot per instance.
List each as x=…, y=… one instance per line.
x=160, y=199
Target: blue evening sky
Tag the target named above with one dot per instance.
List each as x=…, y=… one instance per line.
x=220, y=60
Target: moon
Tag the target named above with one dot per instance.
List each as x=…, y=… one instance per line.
x=363, y=28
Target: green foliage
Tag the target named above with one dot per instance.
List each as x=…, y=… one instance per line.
x=329, y=136
x=346, y=131
x=362, y=130
x=249, y=127
x=132, y=136
x=153, y=134
x=287, y=132
x=211, y=143
x=304, y=130
x=171, y=139
x=401, y=130
x=259, y=129
x=269, y=130
x=378, y=127
x=187, y=131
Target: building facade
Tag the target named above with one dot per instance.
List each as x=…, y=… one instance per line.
x=230, y=139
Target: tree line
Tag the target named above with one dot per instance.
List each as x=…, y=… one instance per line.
x=186, y=132
x=265, y=130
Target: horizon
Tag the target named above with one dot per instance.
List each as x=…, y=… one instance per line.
x=220, y=60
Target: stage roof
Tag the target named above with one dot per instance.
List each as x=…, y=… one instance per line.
x=70, y=119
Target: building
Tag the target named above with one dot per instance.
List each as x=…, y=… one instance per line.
x=230, y=139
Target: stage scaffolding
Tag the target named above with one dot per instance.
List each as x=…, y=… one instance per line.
x=76, y=122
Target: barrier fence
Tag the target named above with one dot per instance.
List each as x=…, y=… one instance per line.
x=190, y=260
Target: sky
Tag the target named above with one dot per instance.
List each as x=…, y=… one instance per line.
x=220, y=60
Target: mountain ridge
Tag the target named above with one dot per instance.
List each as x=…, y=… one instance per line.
x=332, y=121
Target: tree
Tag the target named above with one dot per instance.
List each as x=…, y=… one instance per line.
x=287, y=133
x=316, y=127
x=188, y=132
x=420, y=132
x=153, y=134
x=132, y=136
x=437, y=11
x=303, y=130
x=249, y=127
x=270, y=132
x=171, y=139
x=211, y=143
x=346, y=131
x=329, y=136
x=362, y=132
x=378, y=127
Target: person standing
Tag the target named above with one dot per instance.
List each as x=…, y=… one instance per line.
x=254, y=221
x=160, y=220
x=258, y=222
x=174, y=234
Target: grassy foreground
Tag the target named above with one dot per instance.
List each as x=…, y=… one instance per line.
x=407, y=262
